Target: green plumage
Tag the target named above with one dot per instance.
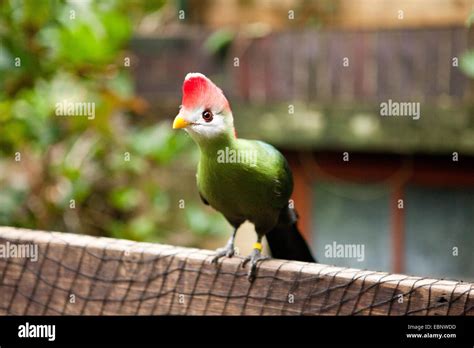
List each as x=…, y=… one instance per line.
x=256, y=190
x=242, y=179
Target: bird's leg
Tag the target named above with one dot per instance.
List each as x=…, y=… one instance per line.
x=228, y=250
x=254, y=257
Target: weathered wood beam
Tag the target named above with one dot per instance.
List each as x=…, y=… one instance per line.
x=77, y=274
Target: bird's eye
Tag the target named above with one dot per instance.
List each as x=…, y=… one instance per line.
x=207, y=116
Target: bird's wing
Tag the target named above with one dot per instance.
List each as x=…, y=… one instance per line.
x=281, y=177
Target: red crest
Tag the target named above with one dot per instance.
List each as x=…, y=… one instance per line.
x=199, y=91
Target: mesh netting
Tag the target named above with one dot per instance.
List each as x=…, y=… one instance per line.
x=77, y=275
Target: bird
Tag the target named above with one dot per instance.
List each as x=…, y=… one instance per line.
x=244, y=180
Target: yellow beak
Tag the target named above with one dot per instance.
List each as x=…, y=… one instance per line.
x=179, y=122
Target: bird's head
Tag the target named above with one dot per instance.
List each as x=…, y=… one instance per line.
x=204, y=112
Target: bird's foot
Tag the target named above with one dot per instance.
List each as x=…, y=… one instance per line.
x=227, y=251
x=254, y=257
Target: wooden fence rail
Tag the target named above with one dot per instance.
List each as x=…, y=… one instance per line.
x=328, y=66
x=75, y=274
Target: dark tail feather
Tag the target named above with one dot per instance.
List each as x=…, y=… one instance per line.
x=286, y=241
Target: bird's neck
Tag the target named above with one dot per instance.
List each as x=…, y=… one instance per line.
x=210, y=146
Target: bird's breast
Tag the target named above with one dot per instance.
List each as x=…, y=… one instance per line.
x=240, y=192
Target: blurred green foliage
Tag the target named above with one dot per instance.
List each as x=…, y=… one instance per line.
x=95, y=175
x=218, y=43
x=467, y=63
x=467, y=59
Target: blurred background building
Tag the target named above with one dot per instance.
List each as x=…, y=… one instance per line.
x=306, y=76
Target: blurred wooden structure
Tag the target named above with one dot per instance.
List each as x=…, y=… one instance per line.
x=314, y=66
x=347, y=14
x=83, y=275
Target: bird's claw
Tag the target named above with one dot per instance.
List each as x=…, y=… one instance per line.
x=253, y=258
x=227, y=251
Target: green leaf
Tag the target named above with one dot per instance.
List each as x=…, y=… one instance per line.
x=470, y=19
x=158, y=142
x=467, y=63
x=205, y=223
x=125, y=198
x=141, y=228
x=219, y=41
